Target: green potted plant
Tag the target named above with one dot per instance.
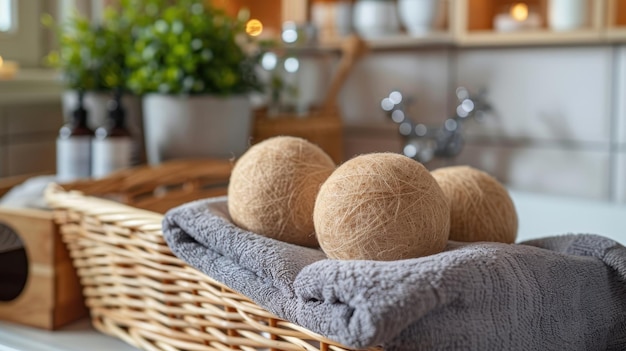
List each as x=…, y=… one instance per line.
x=194, y=66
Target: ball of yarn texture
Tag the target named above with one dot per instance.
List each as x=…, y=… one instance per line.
x=481, y=208
x=381, y=206
x=273, y=186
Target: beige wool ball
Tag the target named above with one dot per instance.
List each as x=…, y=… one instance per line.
x=481, y=208
x=381, y=206
x=273, y=186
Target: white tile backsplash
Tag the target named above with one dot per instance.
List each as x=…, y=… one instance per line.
x=542, y=93
x=423, y=75
x=556, y=113
x=548, y=170
x=620, y=77
x=620, y=178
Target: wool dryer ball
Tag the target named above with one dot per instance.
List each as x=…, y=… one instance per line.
x=480, y=207
x=381, y=206
x=273, y=186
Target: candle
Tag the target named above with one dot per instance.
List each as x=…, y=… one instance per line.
x=254, y=27
x=8, y=69
x=518, y=18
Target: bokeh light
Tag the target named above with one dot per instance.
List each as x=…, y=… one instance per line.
x=254, y=27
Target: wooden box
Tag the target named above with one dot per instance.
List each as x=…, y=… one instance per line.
x=319, y=127
x=50, y=295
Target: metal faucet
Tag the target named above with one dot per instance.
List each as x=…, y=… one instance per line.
x=423, y=142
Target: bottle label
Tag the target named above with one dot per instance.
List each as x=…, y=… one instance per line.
x=110, y=155
x=73, y=158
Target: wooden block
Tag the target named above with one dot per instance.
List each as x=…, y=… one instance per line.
x=51, y=296
x=325, y=130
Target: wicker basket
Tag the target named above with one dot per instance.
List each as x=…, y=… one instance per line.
x=41, y=272
x=138, y=291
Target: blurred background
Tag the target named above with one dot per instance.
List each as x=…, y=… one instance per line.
x=541, y=104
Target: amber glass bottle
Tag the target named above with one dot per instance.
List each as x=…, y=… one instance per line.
x=113, y=143
x=74, y=146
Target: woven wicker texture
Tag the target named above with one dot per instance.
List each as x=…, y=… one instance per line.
x=138, y=291
x=161, y=187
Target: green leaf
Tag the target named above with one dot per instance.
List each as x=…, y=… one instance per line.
x=183, y=46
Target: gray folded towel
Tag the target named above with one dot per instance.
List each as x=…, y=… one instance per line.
x=558, y=293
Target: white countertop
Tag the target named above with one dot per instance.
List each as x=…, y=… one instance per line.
x=78, y=336
x=539, y=216
x=543, y=215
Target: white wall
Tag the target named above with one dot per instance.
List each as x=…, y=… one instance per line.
x=25, y=43
x=560, y=126
x=619, y=179
x=424, y=76
x=556, y=94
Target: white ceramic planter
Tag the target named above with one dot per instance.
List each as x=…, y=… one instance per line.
x=418, y=16
x=196, y=126
x=375, y=18
x=564, y=15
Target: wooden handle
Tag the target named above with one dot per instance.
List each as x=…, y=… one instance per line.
x=352, y=49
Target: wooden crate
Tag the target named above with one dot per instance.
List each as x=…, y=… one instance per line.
x=319, y=127
x=51, y=296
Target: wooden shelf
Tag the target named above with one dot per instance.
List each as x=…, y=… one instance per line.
x=616, y=20
x=539, y=37
x=469, y=23
x=398, y=41
x=484, y=39
x=616, y=35
x=478, y=15
x=475, y=19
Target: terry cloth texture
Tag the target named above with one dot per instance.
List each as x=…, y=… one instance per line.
x=558, y=293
